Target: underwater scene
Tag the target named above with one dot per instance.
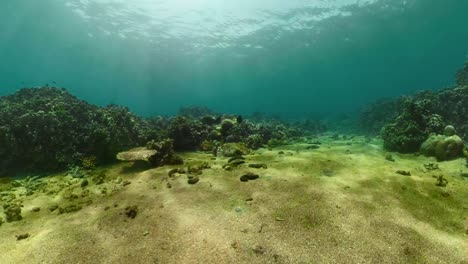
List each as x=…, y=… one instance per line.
x=247, y=131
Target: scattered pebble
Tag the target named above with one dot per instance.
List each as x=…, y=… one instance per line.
x=22, y=236
x=126, y=182
x=259, y=250
x=403, y=172
x=279, y=219
x=234, y=245
x=131, y=211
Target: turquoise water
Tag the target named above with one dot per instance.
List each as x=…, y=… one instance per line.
x=291, y=57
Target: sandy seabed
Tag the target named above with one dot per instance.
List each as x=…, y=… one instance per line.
x=340, y=203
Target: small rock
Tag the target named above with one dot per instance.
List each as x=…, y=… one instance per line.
x=36, y=209
x=22, y=236
x=236, y=163
x=69, y=208
x=84, y=183
x=146, y=233
x=404, y=173
x=227, y=167
x=168, y=185
x=235, y=158
x=192, y=179
x=281, y=152
x=313, y=147
x=53, y=207
x=431, y=166
x=126, y=182
x=328, y=172
x=16, y=184
x=259, y=250
x=389, y=157
x=445, y=194
x=258, y=165
x=131, y=211
x=234, y=245
x=441, y=181
x=279, y=219
x=249, y=176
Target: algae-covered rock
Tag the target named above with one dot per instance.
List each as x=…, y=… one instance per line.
x=156, y=153
x=136, y=154
x=443, y=147
x=234, y=149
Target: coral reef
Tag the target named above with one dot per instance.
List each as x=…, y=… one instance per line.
x=410, y=120
x=412, y=127
x=48, y=129
x=187, y=133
